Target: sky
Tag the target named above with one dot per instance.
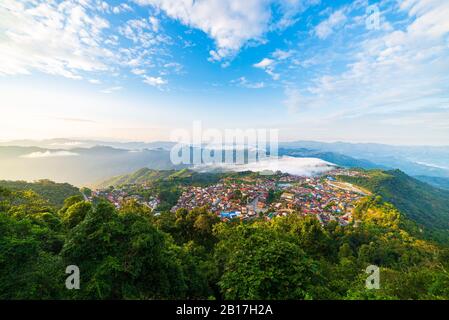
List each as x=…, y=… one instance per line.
x=356, y=71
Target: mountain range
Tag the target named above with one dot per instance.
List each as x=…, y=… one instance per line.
x=86, y=162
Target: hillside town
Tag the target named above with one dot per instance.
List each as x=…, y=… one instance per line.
x=260, y=197
x=321, y=196
x=118, y=196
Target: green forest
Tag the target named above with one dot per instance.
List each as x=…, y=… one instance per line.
x=54, y=193
x=426, y=205
x=133, y=253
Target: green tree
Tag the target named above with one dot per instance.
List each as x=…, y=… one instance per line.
x=260, y=263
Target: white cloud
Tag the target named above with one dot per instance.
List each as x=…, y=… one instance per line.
x=231, y=23
x=390, y=73
x=267, y=65
x=296, y=166
x=71, y=38
x=282, y=55
x=111, y=89
x=290, y=10
x=143, y=32
x=173, y=67
x=431, y=17
x=155, y=23
x=104, y=6
x=326, y=27
x=154, y=81
x=243, y=82
x=293, y=100
x=138, y=71
x=121, y=8
x=264, y=63
x=61, y=38
x=49, y=154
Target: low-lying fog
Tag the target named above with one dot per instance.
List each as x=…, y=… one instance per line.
x=291, y=165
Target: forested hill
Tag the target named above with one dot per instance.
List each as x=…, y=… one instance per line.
x=148, y=176
x=54, y=193
x=418, y=201
x=332, y=157
x=130, y=253
x=141, y=176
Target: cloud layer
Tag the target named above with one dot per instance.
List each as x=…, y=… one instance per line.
x=49, y=154
x=296, y=166
x=56, y=38
x=77, y=38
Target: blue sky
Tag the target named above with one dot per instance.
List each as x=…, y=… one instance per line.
x=361, y=71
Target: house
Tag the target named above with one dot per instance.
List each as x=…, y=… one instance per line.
x=287, y=196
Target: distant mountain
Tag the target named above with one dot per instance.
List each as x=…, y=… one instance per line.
x=81, y=143
x=78, y=166
x=418, y=201
x=335, y=158
x=414, y=160
x=439, y=182
x=85, y=162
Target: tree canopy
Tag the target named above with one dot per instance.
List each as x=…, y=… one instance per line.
x=133, y=253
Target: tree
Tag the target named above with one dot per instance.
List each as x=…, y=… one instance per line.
x=76, y=213
x=259, y=263
x=27, y=271
x=122, y=256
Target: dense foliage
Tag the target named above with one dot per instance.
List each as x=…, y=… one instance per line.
x=418, y=201
x=54, y=192
x=133, y=254
x=148, y=177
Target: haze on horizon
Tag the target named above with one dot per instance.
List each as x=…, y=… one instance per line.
x=137, y=70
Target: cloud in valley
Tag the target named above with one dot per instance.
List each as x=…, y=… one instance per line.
x=49, y=154
x=291, y=165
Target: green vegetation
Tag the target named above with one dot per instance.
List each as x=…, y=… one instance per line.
x=426, y=205
x=274, y=196
x=148, y=176
x=132, y=253
x=439, y=182
x=54, y=192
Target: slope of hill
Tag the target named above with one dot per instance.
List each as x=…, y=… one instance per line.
x=432, y=175
x=148, y=176
x=439, y=182
x=55, y=193
x=418, y=201
x=336, y=158
x=141, y=176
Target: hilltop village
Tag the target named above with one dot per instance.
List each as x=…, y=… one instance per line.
x=252, y=196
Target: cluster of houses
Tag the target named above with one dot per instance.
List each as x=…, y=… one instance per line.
x=325, y=198
x=228, y=199
x=321, y=196
x=118, y=196
x=262, y=196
